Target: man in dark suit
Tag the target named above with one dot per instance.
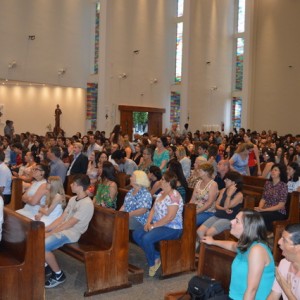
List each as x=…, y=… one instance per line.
x=80, y=162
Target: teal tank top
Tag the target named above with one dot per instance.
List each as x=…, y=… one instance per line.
x=239, y=276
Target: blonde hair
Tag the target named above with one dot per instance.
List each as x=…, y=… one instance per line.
x=181, y=151
x=244, y=146
x=56, y=187
x=79, y=145
x=208, y=168
x=141, y=178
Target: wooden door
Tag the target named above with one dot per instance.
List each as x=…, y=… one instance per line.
x=154, y=118
x=126, y=122
x=155, y=123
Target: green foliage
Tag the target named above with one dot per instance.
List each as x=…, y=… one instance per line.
x=140, y=117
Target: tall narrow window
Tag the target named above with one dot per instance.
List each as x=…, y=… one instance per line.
x=239, y=43
x=179, y=33
x=179, y=52
x=97, y=38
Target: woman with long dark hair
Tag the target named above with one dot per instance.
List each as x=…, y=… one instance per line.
x=253, y=268
x=107, y=189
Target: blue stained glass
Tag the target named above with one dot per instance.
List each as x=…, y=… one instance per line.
x=180, y=4
x=241, y=15
x=236, y=113
x=239, y=64
x=97, y=39
x=179, y=52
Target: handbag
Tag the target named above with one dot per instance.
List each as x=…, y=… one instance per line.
x=204, y=288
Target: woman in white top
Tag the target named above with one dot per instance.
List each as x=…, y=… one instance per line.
x=293, y=177
x=35, y=196
x=205, y=194
x=55, y=201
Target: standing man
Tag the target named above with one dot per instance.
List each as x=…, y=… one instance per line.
x=68, y=227
x=9, y=129
x=57, y=167
x=5, y=180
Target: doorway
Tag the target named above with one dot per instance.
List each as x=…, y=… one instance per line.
x=154, y=125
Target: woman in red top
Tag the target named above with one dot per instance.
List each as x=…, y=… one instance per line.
x=253, y=160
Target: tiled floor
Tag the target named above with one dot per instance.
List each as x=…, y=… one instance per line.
x=151, y=288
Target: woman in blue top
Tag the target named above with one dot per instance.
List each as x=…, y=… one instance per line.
x=253, y=269
x=161, y=154
x=239, y=161
x=138, y=200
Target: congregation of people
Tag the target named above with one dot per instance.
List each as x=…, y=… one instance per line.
x=162, y=170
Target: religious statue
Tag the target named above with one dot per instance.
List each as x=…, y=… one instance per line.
x=57, y=128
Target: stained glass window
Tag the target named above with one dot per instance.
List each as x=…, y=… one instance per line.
x=180, y=4
x=175, y=107
x=179, y=52
x=239, y=64
x=241, y=16
x=97, y=38
x=236, y=114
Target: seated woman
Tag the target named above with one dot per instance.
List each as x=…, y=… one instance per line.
x=268, y=161
x=161, y=154
x=35, y=196
x=182, y=186
x=138, y=200
x=138, y=154
x=195, y=176
x=272, y=204
x=146, y=161
x=55, y=201
x=25, y=172
x=184, y=161
x=205, y=194
x=228, y=205
x=164, y=221
x=107, y=189
x=155, y=176
x=293, y=174
x=92, y=171
x=253, y=268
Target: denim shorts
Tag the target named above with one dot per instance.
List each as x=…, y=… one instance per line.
x=55, y=241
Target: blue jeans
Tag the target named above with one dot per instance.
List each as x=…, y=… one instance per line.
x=147, y=240
x=202, y=217
x=55, y=241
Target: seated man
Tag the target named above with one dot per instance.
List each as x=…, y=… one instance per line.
x=68, y=227
x=126, y=165
x=287, y=282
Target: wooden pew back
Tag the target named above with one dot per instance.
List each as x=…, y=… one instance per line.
x=253, y=188
x=22, y=257
x=104, y=249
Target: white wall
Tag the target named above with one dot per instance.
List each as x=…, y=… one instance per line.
x=147, y=26
x=63, y=39
x=32, y=108
x=276, y=90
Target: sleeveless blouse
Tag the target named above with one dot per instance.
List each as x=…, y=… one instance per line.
x=202, y=196
x=103, y=196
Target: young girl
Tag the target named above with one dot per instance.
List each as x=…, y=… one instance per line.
x=55, y=201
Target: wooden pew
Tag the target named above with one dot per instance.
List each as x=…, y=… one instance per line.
x=253, y=188
x=178, y=256
x=121, y=196
x=16, y=194
x=123, y=179
x=104, y=250
x=214, y=262
x=292, y=207
x=22, y=258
